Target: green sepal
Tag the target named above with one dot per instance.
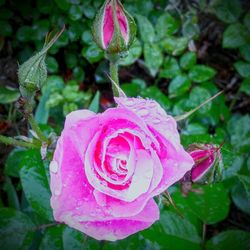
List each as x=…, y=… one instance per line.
x=32, y=74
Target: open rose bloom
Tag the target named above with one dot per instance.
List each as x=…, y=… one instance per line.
x=108, y=167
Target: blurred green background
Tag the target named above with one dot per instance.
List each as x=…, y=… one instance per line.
x=185, y=52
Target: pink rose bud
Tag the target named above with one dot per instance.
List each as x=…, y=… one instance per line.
x=204, y=156
x=113, y=29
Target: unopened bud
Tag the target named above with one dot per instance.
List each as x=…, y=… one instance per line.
x=32, y=74
x=204, y=156
x=114, y=29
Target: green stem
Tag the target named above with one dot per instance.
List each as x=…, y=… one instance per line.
x=114, y=76
x=11, y=141
x=36, y=128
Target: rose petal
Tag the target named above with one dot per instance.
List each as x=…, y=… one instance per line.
x=116, y=229
x=175, y=160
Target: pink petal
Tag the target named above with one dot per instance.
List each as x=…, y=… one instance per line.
x=175, y=160
x=117, y=229
x=123, y=23
x=108, y=26
x=202, y=168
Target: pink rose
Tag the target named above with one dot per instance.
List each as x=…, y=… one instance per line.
x=108, y=167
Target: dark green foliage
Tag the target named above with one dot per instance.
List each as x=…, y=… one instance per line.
x=164, y=63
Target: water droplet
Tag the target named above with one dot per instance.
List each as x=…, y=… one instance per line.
x=143, y=112
x=129, y=102
x=53, y=167
x=92, y=213
x=156, y=121
x=57, y=192
x=86, y=198
x=114, y=177
x=98, y=210
x=104, y=183
x=161, y=111
x=152, y=104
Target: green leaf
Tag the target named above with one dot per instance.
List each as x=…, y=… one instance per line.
x=245, y=180
x=11, y=194
x=16, y=230
x=171, y=68
x=88, y=11
x=240, y=199
x=201, y=73
x=166, y=25
x=194, y=129
x=134, y=53
x=62, y=237
x=94, y=105
x=53, y=83
x=154, y=93
x=8, y=95
x=133, y=242
x=245, y=86
x=79, y=74
x=211, y=205
x=5, y=29
x=245, y=52
x=173, y=232
x=71, y=60
x=131, y=89
x=44, y=8
x=13, y=162
x=197, y=97
x=179, y=86
x=153, y=58
x=190, y=27
x=24, y=34
x=247, y=20
x=35, y=184
x=234, y=36
x=229, y=240
x=63, y=4
x=227, y=11
x=243, y=68
x=188, y=60
x=52, y=64
x=75, y=12
x=92, y=53
x=2, y=2
x=52, y=239
x=238, y=127
x=146, y=29
x=5, y=13
x=185, y=210
x=175, y=45
x=73, y=239
x=39, y=29
x=87, y=37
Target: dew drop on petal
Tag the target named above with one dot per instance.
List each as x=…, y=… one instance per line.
x=53, y=167
x=143, y=112
x=114, y=177
x=156, y=121
x=57, y=192
x=129, y=102
x=104, y=183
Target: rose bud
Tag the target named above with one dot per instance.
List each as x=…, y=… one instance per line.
x=114, y=29
x=32, y=74
x=205, y=156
